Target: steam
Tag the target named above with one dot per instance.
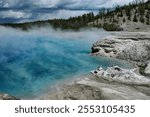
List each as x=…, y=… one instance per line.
x=47, y=31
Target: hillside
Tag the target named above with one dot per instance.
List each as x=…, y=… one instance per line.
x=128, y=17
x=136, y=15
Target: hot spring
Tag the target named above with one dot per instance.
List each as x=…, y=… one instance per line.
x=32, y=61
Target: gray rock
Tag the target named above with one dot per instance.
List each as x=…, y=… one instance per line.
x=127, y=49
x=78, y=92
x=92, y=88
x=7, y=97
x=122, y=75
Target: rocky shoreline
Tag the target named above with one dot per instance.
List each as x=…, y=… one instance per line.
x=96, y=88
x=133, y=47
x=7, y=97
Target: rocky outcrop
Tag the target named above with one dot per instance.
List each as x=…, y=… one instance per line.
x=130, y=48
x=7, y=97
x=121, y=75
x=133, y=47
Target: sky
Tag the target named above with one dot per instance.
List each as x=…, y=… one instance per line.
x=31, y=10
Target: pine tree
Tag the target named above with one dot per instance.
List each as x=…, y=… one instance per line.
x=124, y=20
x=121, y=14
x=135, y=18
x=128, y=13
x=148, y=18
x=142, y=19
x=148, y=22
x=129, y=17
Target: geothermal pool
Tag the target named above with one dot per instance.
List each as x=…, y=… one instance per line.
x=32, y=61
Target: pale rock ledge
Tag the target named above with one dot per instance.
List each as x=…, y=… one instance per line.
x=119, y=74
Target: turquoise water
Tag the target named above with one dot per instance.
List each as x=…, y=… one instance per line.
x=32, y=61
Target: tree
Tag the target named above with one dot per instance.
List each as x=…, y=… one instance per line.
x=117, y=8
x=135, y=18
x=142, y=19
x=128, y=13
x=141, y=9
x=121, y=14
x=148, y=22
x=124, y=20
x=148, y=18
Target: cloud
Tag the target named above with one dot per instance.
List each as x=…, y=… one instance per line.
x=119, y=2
x=70, y=4
x=61, y=14
x=9, y=3
x=14, y=14
x=46, y=3
x=24, y=10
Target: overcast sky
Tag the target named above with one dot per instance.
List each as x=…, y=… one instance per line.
x=29, y=10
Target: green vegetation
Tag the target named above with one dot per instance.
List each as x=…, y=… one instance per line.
x=142, y=69
x=111, y=27
x=124, y=20
x=109, y=19
x=135, y=18
x=74, y=23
